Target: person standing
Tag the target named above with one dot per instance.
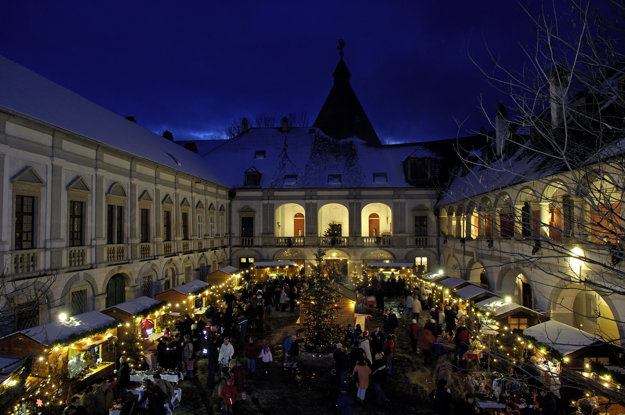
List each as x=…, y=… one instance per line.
x=187, y=355
x=123, y=376
x=251, y=351
x=389, y=352
x=414, y=334
x=293, y=353
x=442, y=398
x=362, y=372
x=286, y=345
x=266, y=357
x=212, y=355
x=341, y=365
x=344, y=403
x=409, y=303
x=226, y=351
x=378, y=377
x=416, y=309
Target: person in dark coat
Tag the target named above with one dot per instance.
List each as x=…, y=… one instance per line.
x=442, y=398
x=156, y=399
x=378, y=378
x=123, y=376
x=341, y=365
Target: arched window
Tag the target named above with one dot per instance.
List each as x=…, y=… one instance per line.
x=115, y=290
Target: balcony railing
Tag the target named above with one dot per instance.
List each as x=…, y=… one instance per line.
x=23, y=262
x=145, y=250
x=421, y=241
x=247, y=241
x=168, y=248
x=185, y=246
x=116, y=253
x=333, y=241
x=77, y=256
x=289, y=241
x=370, y=241
x=200, y=245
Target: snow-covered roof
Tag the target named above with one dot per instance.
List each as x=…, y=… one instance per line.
x=24, y=92
x=137, y=305
x=229, y=269
x=190, y=287
x=470, y=291
x=391, y=265
x=452, y=282
x=271, y=264
x=8, y=365
x=49, y=333
x=434, y=276
x=480, y=179
x=305, y=157
x=561, y=337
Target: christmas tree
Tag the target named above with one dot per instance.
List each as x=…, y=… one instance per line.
x=320, y=308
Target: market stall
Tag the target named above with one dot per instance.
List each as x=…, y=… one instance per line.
x=511, y=315
x=264, y=270
x=473, y=293
x=222, y=275
x=67, y=355
x=396, y=269
x=181, y=299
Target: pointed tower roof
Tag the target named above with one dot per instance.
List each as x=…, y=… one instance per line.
x=342, y=116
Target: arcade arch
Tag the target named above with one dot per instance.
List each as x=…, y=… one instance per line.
x=376, y=220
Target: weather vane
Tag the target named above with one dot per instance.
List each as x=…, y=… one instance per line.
x=340, y=47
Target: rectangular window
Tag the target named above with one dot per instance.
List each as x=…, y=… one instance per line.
x=421, y=226
x=200, y=226
x=526, y=224
x=78, y=302
x=247, y=226
x=147, y=285
x=421, y=263
x=24, y=222
x=185, y=225
x=222, y=224
x=115, y=224
x=568, y=218
x=518, y=323
x=245, y=263
x=27, y=315
x=167, y=225
x=212, y=226
x=290, y=179
x=380, y=178
x=145, y=225
x=334, y=179
x=506, y=224
x=76, y=210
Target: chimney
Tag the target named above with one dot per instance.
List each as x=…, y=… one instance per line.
x=557, y=95
x=244, y=126
x=501, y=128
x=284, y=124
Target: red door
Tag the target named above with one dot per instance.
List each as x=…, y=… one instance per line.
x=374, y=225
x=298, y=224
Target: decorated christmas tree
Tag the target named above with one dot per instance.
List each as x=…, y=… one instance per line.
x=320, y=308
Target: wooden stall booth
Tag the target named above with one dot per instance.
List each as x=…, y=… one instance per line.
x=141, y=326
x=221, y=276
x=67, y=355
x=473, y=293
x=396, y=269
x=264, y=270
x=181, y=299
x=511, y=315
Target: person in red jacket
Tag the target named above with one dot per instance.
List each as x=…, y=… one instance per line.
x=229, y=395
x=414, y=334
x=389, y=352
x=251, y=352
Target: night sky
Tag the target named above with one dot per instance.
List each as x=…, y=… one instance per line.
x=194, y=67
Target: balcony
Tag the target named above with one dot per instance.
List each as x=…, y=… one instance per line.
x=168, y=247
x=247, y=241
x=372, y=241
x=115, y=253
x=289, y=241
x=421, y=241
x=145, y=250
x=199, y=245
x=24, y=262
x=77, y=256
x=186, y=245
x=333, y=241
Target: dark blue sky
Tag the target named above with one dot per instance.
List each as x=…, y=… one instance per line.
x=196, y=67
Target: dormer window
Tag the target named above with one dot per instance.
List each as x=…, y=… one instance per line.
x=252, y=177
x=260, y=154
x=334, y=179
x=290, y=180
x=380, y=178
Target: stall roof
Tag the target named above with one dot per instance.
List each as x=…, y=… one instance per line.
x=190, y=287
x=8, y=365
x=391, y=265
x=270, y=264
x=434, y=277
x=137, y=305
x=562, y=337
x=49, y=333
x=229, y=269
x=453, y=282
x=471, y=291
x=499, y=307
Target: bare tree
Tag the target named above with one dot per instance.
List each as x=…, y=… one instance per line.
x=539, y=210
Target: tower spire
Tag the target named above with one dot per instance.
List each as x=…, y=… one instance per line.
x=340, y=48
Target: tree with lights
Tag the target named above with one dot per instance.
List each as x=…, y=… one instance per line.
x=319, y=309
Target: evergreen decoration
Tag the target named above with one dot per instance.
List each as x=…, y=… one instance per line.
x=87, y=333
x=319, y=309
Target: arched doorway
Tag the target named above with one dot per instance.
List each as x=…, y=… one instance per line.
x=523, y=292
x=115, y=290
x=298, y=224
x=374, y=224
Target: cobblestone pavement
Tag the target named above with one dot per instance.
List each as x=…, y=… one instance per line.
x=311, y=389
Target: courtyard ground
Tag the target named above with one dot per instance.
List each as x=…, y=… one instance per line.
x=311, y=388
